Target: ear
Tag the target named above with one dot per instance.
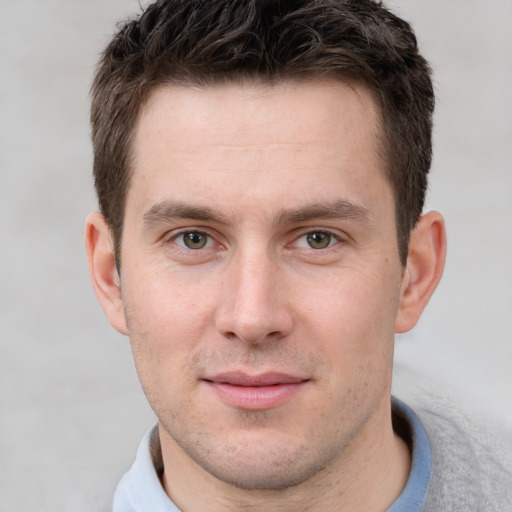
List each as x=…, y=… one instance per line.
x=425, y=264
x=102, y=267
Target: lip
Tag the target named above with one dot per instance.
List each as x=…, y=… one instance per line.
x=255, y=392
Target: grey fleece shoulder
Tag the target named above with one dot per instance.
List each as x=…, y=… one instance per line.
x=471, y=467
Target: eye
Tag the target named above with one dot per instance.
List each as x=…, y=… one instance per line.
x=316, y=240
x=194, y=240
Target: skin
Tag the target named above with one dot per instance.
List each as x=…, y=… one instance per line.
x=258, y=174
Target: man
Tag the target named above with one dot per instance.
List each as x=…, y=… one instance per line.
x=261, y=168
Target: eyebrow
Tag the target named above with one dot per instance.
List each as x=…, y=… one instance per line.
x=171, y=210
x=341, y=209
x=166, y=211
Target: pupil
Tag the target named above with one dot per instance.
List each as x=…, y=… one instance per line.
x=194, y=240
x=319, y=240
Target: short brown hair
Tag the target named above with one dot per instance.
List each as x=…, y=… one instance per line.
x=200, y=42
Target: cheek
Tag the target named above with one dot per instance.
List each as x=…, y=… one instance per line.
x=352, y=315
x=163, y=332
x=166, y=320
x=165, y=300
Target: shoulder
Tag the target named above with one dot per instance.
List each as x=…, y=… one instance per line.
x=471, y=464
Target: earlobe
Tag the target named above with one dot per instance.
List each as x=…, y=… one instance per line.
x=102, y=268
x=425, y=264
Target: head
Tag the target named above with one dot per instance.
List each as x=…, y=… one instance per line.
x=261, y=168
x=194, y=43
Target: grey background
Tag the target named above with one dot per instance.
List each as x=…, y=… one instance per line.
x=71, y=409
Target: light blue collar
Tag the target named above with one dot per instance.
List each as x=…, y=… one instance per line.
x=140, y=489
x=409, y=427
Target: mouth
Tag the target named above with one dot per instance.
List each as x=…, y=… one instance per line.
x=255, y=392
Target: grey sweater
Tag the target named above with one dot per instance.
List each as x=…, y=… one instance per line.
x=471, y=469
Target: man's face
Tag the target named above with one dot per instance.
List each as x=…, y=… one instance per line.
x=261, y=277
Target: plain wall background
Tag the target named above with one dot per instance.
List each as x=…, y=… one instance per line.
x=71, y=409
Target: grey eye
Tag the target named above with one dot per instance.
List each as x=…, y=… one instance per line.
x=195, y=239
x=319, y=239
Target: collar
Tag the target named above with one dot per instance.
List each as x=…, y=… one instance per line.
x=408, y=426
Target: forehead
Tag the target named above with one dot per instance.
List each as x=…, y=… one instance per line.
x=252, y=108
x=192, y=141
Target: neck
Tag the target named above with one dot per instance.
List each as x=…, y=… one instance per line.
x=369, y=476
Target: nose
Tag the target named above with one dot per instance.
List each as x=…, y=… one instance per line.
x=254, y=305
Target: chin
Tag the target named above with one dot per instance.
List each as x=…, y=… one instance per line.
x=264, y=475
x=261, y=465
